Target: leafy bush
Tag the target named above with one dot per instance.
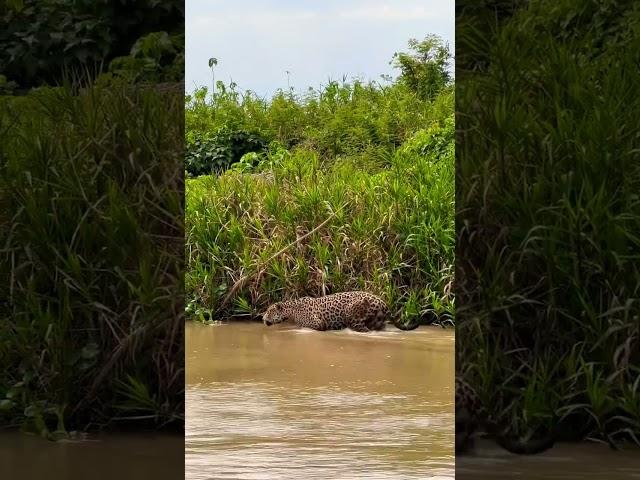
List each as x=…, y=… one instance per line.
x=41, y=39
x=425, y=70
x=153, y=57
x=437, y=140
x=215, y=153
x=338, y=119
x=249, y=162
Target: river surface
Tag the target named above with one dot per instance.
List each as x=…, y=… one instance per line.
x=113, y=456
x=565, y=461
x=286, y=403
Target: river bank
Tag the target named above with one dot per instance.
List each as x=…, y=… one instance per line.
x=346, y=187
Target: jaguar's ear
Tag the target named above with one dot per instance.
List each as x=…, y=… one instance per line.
x=277, y=306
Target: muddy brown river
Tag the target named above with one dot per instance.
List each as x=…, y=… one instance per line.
x=101, y=457
x=285, y=403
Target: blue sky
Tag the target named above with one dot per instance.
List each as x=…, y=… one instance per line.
x=256, y=41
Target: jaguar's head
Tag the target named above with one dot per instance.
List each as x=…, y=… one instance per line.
x=274, y=314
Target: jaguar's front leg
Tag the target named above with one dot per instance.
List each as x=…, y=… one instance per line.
x=315, y=323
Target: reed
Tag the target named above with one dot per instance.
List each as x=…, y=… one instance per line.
x=91, y=206
x=548, y=216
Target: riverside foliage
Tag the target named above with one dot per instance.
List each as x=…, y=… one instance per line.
x=373, y=160
x=91, y=208
x=90, y=205
x=548, y=176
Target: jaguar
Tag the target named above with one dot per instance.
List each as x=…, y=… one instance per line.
x=360, y=311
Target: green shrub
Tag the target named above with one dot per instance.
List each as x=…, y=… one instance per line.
x=426, y=69
x=153, y=57
x=215, y=153
x=42, y=40
x=339, y=119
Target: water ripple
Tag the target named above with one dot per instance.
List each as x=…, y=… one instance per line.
x=282, y=404
x=262, y=431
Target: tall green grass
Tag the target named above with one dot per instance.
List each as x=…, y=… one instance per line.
x=91, y=258
x=548, y=216
x=375, y=162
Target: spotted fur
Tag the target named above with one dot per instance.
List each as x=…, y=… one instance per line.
x=359, y=311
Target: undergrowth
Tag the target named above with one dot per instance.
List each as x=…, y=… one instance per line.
x=548, y=216
x=91, y=257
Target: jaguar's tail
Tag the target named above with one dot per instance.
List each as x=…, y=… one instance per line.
x=405, y=326
x=395, y=320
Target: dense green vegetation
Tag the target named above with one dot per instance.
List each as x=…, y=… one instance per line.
x=92, y=242
x=370, y=164
x=45, y=40
x=91, y=208
x=548, y=216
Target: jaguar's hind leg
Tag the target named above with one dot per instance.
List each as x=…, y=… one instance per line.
x=358, y=316
x=359, y=327
x=378, y=319
x=373, y=315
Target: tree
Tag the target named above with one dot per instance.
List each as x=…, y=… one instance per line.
x=212, y=63
x=425, y=68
